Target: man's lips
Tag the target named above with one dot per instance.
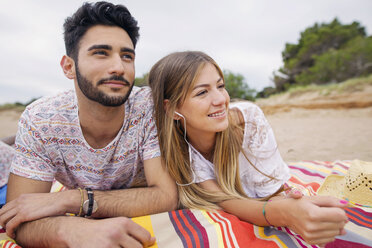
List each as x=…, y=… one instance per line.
x=115, y=83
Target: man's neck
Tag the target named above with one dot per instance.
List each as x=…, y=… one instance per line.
x=99, y=124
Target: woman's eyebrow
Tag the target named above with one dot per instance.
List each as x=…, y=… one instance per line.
x=206, y=85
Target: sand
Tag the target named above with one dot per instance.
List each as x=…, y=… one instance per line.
x=307, y=126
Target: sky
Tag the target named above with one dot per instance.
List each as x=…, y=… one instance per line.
x=243, y=36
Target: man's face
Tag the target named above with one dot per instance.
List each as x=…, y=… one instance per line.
x=105, y=65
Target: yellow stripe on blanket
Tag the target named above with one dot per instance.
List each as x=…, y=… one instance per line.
x=216, y=226
x=260, y=232
x=145, y=222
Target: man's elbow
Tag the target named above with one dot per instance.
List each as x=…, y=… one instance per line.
x=171, y=198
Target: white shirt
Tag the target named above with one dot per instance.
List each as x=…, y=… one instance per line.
x=260, y=147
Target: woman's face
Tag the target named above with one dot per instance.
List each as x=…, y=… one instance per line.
x=206, y=105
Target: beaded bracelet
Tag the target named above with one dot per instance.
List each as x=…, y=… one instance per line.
x=82, y=201
x=264, y=213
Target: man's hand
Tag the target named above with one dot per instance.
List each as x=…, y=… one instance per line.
x=29, y=207
x=112, y=232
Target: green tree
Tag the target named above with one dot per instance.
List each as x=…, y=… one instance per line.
x=237, y=86
x=313, y=43
x=141, y=81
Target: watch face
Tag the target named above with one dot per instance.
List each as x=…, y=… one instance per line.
x=95, y=207
x=86, y=206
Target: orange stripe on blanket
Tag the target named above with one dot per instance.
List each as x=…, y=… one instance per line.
x=358, y=221
x=315, y=186
x=358, y=214
x=181, y=229
x=244, y=233
x=194, y=233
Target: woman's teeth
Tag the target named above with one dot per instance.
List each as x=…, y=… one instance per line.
x=217, y=114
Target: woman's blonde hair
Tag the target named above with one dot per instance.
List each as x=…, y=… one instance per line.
x=171, y=78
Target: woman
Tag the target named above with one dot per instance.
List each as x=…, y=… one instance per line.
x=224, y=157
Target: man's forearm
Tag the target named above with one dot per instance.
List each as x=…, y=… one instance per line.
x=42, y=233
x=133, y=202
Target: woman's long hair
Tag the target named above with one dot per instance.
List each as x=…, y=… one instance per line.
x=170, y=79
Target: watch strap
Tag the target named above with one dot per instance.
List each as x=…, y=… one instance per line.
x=91, y=201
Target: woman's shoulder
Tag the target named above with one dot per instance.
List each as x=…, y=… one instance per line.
x=250, y=112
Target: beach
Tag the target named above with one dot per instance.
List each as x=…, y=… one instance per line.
x=306, y=126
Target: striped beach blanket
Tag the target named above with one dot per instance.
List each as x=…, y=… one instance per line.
x=198, y=228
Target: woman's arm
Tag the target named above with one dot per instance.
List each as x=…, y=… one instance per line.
x=317, y=219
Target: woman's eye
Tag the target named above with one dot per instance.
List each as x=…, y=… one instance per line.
x=201, y=93
x=221, y=86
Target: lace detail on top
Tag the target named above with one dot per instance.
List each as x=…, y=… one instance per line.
x=260, y=148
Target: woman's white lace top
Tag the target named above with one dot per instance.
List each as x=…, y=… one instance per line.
x=261, y=149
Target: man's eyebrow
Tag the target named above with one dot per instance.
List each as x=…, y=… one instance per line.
x=206, y=85
x=106, y=47
x=125, y=49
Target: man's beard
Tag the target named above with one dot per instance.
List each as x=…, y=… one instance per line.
x=94, y=94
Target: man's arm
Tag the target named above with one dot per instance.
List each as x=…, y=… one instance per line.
x=70, y=231
x=159, y=196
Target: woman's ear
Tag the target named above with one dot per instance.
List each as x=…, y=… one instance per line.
x=166, y=109
x=68, y=66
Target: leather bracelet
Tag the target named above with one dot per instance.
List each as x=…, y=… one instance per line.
x=91, y=200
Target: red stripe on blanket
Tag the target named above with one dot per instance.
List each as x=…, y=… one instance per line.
x=323, y=163
x=194, y=233
x=245, y=234
x=10, y=244
x=177, y=225
x=358, y=213
x=221, y=228
x=338, y=243
x=198, y=227
x=306, y=171
x=313, y=185
x=357, y=221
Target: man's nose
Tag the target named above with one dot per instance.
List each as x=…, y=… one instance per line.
x=117, y=66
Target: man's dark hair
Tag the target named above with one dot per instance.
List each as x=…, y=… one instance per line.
x=100, y=13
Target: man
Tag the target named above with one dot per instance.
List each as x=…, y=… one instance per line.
x=99, y=137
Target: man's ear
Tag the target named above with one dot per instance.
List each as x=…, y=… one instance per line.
x=166, y=109
x=68, y=66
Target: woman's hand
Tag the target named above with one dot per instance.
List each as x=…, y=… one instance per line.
x=318, y=219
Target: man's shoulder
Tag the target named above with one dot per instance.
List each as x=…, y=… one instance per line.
x=141, y=97
x=46, y=107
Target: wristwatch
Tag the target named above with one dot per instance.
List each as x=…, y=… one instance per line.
x=90, y=206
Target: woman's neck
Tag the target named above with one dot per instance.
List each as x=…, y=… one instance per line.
x=204, y=144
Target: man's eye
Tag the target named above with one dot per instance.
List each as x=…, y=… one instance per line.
x=127, y=57
x=100, y=52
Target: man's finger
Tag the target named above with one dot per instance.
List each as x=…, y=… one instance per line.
x=4, y=219
x=141, y=234
x=12, y=225
x=129, y=242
